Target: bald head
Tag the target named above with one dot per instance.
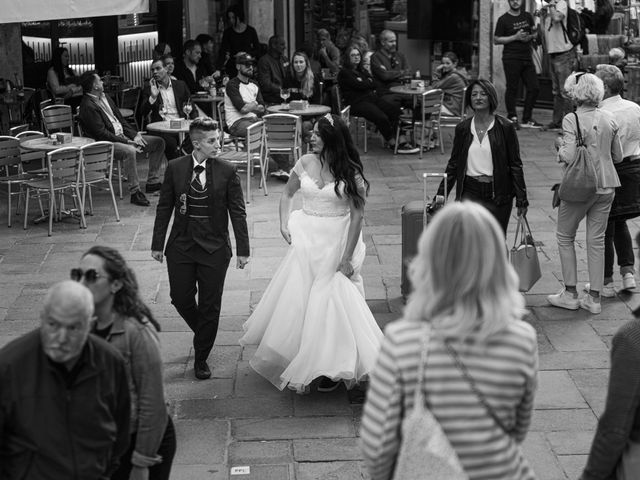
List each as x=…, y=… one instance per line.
x=65, y=321
x=388, y=41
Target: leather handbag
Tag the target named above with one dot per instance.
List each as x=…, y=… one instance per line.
x=579, y=181
x=424, y=446
x=629, y=466
x=524, y=256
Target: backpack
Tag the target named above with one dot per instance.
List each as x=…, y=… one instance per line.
x=575, y=30
x=579, y=181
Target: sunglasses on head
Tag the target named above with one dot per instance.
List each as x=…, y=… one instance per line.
x=578, y=75
x=90, y=275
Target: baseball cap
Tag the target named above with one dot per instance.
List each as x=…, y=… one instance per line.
x=243, y=58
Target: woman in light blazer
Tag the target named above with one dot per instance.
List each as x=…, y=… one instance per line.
x=600, y=133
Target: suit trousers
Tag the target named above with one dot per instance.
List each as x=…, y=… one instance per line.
x=128, y=155
x=193, y=271
x=570, y=214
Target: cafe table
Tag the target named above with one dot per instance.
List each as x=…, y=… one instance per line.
x=313, y=110
x=170, y=126
x=206, y=99
x=44, y=144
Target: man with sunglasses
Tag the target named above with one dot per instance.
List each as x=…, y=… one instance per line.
x=203, y=193
x=243, y=103
x=64, y=397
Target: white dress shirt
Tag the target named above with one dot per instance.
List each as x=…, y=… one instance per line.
x=106, y=108
x=203, y=174
x=479, y=158
x=169, y=102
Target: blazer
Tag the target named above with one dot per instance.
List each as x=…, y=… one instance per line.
x=508, y=178
x=182, y=73
x=96, y=124
x=225, y=201
x=180, y=91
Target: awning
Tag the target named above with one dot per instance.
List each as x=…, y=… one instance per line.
x=14, y=11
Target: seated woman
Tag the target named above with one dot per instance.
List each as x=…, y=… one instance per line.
x=61, y=79
x=303, y=84
x=356, y=85
x=451, y=81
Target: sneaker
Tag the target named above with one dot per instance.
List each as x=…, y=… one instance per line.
x=564, y=299
x=138, y=198
x=407, y=148
x=588, y=303
x=607, y=290
x=531, y=124
x=514, y=120
x=152, y=187
x=327, y=385
x=628, y=281
x=552, y=127
x=278, y=173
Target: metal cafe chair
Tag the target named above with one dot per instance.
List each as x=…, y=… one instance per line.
x=97, y=168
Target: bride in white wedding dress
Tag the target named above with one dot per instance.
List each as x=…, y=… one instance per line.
x=313, y=320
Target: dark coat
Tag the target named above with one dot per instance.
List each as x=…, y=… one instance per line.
x=181, y=72
x=96, y=124
x=273, y=74
x=181, y=93
x=226, y=201
x=357, y=86
x=50, y=430
x=626, y=203
x=508, y=178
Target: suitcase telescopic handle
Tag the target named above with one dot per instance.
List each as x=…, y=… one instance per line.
x=424, y=193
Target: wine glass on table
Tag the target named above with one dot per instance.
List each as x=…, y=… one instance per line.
x=187, y=108
x=163, y=111
x=285, y=93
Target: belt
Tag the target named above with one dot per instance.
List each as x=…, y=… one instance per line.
x=481, y=178
x=556, y=54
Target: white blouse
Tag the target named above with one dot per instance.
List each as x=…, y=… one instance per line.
x=479, y=159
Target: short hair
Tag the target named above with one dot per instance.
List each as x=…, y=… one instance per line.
x=87, y=80
x=73, y=297
x=451, y=56
x=323, y=33
x=384, y=34
x=470, y=286
x=190, y=45
x=273, y=39
x=202, y=124
x=237, y=10
x=489, y=89
x=611, y=77
x=204, y=38
x=616, y=54
x=584, y=88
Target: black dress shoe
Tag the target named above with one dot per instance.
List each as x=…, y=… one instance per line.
x=201, y=370
x=152, y=187
x=138, y=198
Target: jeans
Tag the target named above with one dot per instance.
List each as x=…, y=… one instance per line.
x=239, y=128
x=482, y=193
x=617, y=234
x=514, y=70
x=127, y=153
x=561, y=66
x=569, y=216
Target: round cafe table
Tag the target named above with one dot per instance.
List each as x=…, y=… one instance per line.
x=312, y=111
x=44, y=144
x=165, y=127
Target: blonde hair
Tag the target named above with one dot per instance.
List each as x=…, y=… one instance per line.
x=584, y=88
x=463, y=283
x=307, y=81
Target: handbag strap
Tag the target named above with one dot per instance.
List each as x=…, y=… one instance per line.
x=519, y=232
x=580, y=141
x=418, y=396
x=476, y=390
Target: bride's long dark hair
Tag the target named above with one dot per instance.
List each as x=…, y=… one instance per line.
x=342, y=157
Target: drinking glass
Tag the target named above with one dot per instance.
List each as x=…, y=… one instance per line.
x=163, y=111
x=284, y=94
x=186, y=108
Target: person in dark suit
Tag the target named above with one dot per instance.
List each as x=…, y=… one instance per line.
x=202, y=192
x=163, y=99
x=189, y=68
x=101, y=120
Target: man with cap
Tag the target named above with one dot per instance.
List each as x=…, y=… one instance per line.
x=243, y=103
x=64, y=397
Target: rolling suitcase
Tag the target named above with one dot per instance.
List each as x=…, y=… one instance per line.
x=415, y=217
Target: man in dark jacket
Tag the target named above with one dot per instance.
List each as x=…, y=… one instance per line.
x=101, y=120
x=189, y=68
x=64, y=398
x=273, y=70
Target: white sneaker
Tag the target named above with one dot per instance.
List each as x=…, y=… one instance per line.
x=628, y=281
x=564, y=299
x=588, y=303
x=607, y=290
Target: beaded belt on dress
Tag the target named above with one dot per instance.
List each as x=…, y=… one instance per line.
x=324, y=214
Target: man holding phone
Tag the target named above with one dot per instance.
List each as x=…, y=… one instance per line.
x=517, y=32
x=162, y=99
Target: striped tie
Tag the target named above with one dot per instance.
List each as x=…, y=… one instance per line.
x=198, y=169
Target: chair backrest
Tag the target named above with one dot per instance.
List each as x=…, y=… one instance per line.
x=345, y=114
x=13, y=131
x=282, y=130
x=221, y=117
x=336, y=99
x=97, y=158
x=31, y=159
x=254, y=138
x=65, y=165
x=10, y=161
x=432, y=104
x=57, y=118
x=129, y=98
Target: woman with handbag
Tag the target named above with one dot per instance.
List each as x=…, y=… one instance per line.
x=485, y=164
x=598, y=131
x=463, y=329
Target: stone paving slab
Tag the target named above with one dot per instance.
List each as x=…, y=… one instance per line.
x=292, y=428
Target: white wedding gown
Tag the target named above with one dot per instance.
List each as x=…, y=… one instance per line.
x=313, y=321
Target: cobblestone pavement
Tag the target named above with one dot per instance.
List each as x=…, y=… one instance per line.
x=237, y=419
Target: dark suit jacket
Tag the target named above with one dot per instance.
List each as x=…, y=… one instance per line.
x=180, y=91
x=97, y=125
x=181, y=72
x=226, y=201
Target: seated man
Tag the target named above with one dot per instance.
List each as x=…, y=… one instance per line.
x=388, y=66
x=189, y=69
x=273, y=70
x=243, y=103
x=163, y=99
x=102, y=121
x=328, y=53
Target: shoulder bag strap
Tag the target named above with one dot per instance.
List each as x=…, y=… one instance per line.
x=476, y=390
x=580, y=141
x=418, y=397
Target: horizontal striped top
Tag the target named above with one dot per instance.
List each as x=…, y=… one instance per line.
x=504, y=368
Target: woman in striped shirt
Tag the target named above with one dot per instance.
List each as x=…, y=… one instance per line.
x=468, y=294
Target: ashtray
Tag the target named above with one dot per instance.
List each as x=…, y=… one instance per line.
x=175, y=123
